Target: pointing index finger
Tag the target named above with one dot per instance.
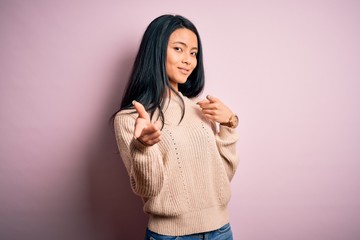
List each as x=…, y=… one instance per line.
x=211, y=98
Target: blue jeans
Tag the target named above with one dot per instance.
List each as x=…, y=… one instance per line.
x=223, y=233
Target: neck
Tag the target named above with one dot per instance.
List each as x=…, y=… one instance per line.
x=170, y=92
x=174, y=85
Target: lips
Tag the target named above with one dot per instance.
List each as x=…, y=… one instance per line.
x=184, y=70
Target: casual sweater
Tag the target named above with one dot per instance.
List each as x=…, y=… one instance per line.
x=184, y=180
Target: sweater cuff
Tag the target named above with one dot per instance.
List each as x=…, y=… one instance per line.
x=228, y=133
x=138, y=145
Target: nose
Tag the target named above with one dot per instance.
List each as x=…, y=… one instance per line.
x=186, y=60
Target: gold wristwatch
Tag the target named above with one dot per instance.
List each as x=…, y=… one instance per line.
x=233, y=121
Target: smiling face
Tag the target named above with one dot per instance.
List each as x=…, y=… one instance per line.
x=181, y=56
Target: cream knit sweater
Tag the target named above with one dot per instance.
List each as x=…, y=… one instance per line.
x=184, y=179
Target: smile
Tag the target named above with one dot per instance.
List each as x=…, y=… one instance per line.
x=184, y=70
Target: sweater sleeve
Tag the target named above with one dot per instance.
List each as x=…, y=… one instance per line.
x=226, y=139
x=143, y=163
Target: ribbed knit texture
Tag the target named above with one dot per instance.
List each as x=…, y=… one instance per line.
x=184, y=179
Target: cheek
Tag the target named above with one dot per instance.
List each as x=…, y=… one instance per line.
x=194, y=64
x=172, y=60
x=170, y=67
x=168, y=63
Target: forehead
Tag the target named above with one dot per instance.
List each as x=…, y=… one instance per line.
x=184, y=35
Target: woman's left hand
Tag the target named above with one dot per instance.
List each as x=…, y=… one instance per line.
x=215, y=110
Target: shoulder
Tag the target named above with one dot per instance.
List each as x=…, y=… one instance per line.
x=126, y=113
x=125, y=117
x=196, y=110
x=192, y=101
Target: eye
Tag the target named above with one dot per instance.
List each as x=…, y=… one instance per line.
x=194, y=54
x=178, y=49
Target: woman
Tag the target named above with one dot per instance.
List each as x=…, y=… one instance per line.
x=179, y=161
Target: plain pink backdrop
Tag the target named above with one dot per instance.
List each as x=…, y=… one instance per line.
x=290, y=69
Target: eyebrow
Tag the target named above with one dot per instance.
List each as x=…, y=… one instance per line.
x=182, y=43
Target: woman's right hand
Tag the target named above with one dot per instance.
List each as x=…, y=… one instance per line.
x=146, y=132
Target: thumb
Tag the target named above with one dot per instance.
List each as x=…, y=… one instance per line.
x=141, y=110
x=137, y=131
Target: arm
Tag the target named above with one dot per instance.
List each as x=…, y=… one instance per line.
x=226, y=138
x=143, y=163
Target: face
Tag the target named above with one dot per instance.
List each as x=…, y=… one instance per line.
x=181, y=56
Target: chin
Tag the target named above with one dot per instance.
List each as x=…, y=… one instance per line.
x=181, y=81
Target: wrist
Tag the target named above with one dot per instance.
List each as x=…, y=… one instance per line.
x=233, y=121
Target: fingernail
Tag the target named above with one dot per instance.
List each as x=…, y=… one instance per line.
x=208, y=96
x=133, y=102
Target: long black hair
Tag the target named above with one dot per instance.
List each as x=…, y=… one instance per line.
x=149, y=83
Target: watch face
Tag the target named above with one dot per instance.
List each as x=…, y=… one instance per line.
x=234, y=121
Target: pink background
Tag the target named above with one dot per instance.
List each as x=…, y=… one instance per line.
x=290, y=69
